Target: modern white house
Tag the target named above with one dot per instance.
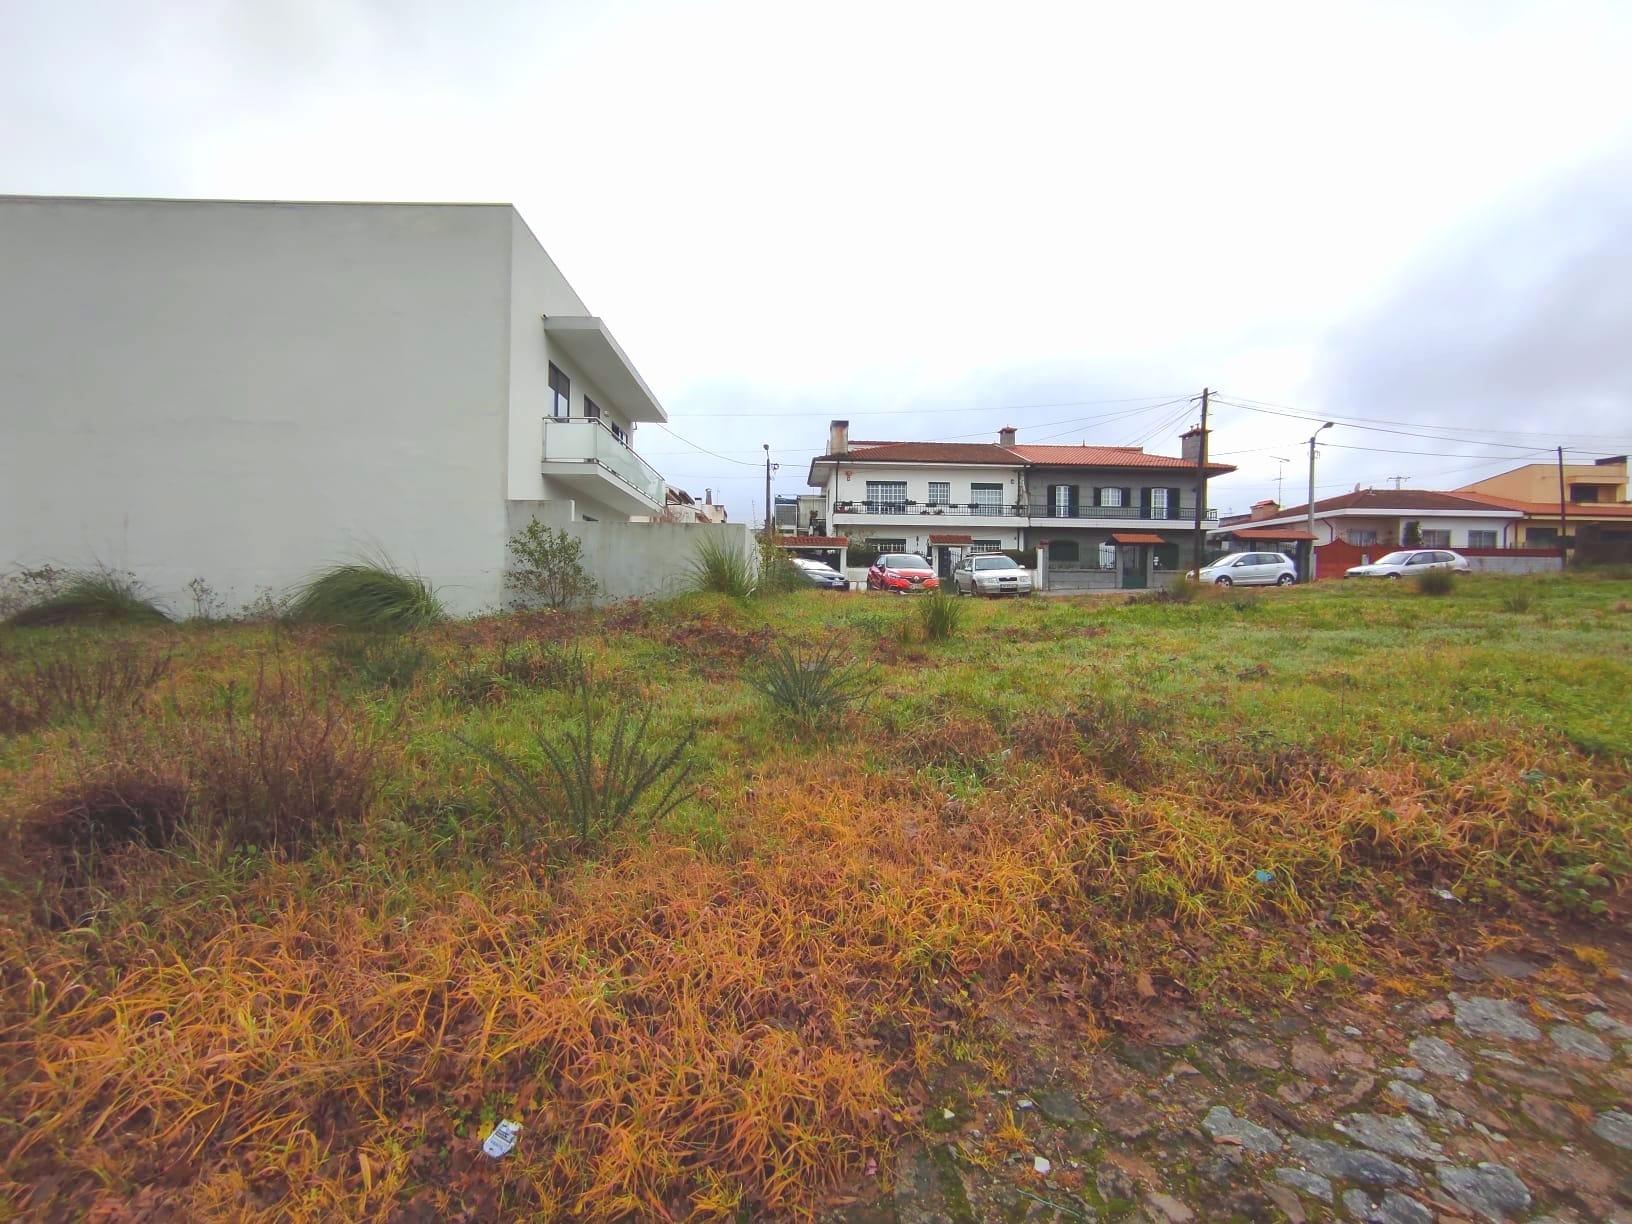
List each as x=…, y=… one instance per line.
x=244, y=391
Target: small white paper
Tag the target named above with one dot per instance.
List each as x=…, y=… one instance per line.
x=502, y=1139
x=1041, y=1164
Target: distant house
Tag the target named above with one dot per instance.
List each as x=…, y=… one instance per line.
x=1595, y=495
x=1109, y=516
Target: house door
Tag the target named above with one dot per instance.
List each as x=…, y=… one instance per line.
x=943, y=561
x=1133, y=559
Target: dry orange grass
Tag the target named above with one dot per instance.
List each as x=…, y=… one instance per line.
x=683, y=1034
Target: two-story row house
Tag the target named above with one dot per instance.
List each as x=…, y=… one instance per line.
x=1109, y=516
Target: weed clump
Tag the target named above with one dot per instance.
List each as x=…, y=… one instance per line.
x=813, y=685
x=367, y=595
x=721, y=568
x=939, y=616
x=1436, y=582
x=514, y=666
x=1182, y=590
x=77, y=685
x=380, y=660
x=101, y=596
x=1521, y=600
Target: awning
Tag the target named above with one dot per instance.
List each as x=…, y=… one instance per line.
x=1136, y=537
x=1267, y=533
x=592, y=349
x=951, y=539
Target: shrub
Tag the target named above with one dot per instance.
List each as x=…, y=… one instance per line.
x=939, y=616
x=1182, y=590
x=723, y=568
x=100, y=596
x=283, y=772
x=813, y=684
x=77, y=685
x=1521, y=600
x=776, y=573
x=367, y=595
x=547, y=567
x=380, y=660
x=208, y=605
x=601, y=780
x=1436, y=582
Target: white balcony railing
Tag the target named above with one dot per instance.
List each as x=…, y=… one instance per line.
x=582, y=440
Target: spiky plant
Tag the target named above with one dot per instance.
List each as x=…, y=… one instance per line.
x=809, y=685
x=603, y=780
x=939, y=616
x=93, y=597
x=372, y=594
x=722, y=568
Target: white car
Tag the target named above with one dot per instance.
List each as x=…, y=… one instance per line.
x=1409, y=561
x=991, y=574
x=1251, y=569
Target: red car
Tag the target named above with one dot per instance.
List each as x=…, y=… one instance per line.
x=901, y=573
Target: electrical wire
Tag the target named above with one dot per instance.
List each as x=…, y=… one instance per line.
x=1358, y=423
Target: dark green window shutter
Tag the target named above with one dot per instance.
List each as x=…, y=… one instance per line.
x=1097, y=501
x=1173, y=503
x=1127, y=497
x=1144, y=503
x=1071, y=500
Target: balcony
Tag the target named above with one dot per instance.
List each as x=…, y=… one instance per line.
x=911, y=509
x=1046, y=513
x=584, y=455
x=1037, y=512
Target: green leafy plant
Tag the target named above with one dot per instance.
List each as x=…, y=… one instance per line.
x=602, y=779
x=1436, y=582
x=939, y=616
x=547, y=568
x=722, y=568
x=101, y=596
x=367, y=595
x=813, y=684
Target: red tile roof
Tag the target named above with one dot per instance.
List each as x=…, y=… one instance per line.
x=1391, y=501
x=1137, y=537
x=926, y=452
x=1109, y=456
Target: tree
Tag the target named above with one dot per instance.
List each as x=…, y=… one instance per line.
x=1411, y=534
x=547, y=567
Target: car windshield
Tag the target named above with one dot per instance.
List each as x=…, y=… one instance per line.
x=816, y=567
x=1226, y=559
x=903, y=561
x=1393, y=558
x=991, y=563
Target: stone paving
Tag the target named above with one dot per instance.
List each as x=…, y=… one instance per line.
x=1508, y=1097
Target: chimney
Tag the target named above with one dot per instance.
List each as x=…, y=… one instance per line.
x=838, y=437
x=708, y=497
x=1190, y=445
x=1268, y=508
x=1005, y=436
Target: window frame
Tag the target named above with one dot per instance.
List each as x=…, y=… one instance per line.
x=1484, y=533
x=977, y=502
x=940, y=493
x=560, y=395
x=891, y=504
x=592, y=410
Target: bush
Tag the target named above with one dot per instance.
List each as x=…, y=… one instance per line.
x=1436, y=582
x=1183, y=590
x=282, y=773
x=939, y=615
x=24, y=587
x=367, y=595
x=100, y=596
x=77, y=685
x=777, y=574
x=813, y=684
x=547, y=567
x=722, y=568
x=380, y=660
x=601, y=781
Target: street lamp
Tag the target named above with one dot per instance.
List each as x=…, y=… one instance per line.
x=1310, y=576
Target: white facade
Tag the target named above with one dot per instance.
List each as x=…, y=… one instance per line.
x=243, y=392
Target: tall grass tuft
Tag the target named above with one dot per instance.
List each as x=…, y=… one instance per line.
x=808, y=686
x=721, y=568
x=939, y=616
x=1521, y=600
x=367, y=595
x=102, y=596
x=599, y=780
x=1436, y=582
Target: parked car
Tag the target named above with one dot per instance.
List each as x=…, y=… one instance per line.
x=820, y=575
x=1251, y=569
x=991, y=574
x=1409, y=561
x=901, y=573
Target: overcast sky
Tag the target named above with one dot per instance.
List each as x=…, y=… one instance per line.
x=936, y=219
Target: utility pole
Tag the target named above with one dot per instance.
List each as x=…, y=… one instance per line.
x=1310, y=576
x=1563, y=515
x=1201, y=482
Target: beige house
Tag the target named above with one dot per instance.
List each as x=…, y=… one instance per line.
x=1594, y=493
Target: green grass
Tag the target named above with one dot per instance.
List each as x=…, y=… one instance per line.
x=95, y=597
x=372, y=595
x=774, y=948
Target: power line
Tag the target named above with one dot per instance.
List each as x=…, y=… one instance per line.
x=704, y=449
x=1131, y=399
x=1529, y=433
x=1359, y=423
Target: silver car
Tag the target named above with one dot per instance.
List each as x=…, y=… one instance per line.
x=991, y=574
x=1251, y=569
x=1409, y=562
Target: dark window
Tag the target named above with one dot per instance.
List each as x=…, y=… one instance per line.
x=617, y=432
x=1481, y=539
x=940, y=493
x=1165, y=556
x=1583, y=493
x=560, y=393
x=592, y=410
x=1063, y=550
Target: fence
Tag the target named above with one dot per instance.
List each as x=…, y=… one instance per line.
x=1332, y=559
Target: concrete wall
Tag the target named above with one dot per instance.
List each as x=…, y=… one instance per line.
x=1487, y=564
x=633, y=560
x=245, y=391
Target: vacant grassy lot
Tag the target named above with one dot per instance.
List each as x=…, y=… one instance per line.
x=290, y=917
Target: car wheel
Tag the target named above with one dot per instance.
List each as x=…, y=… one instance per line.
x=1284, y=580
x=1393, y=577
x=1223, y=580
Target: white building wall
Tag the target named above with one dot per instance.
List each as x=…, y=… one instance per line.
x=851, y=484
x=244, y=391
